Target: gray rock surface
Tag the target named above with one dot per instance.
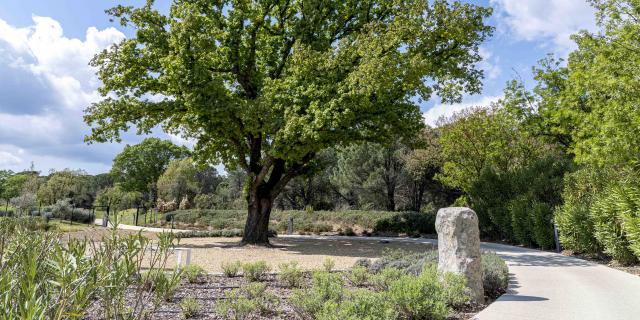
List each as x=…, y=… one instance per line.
x=459, y=246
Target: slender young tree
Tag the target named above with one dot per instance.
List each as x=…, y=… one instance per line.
x=265, y=85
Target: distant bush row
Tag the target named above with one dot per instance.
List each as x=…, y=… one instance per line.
x=380, y=222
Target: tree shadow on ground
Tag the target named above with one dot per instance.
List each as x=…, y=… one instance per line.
x=543, y=260
x=296, y=246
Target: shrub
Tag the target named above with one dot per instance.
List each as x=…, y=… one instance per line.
x=348, y=231
x=362, y=262
x=407, y=222
x=495, y=275
x=317, y=227
x=542, y=216
x=255, y=271
x=236, y=305
x=231, y=269
x=250, y=298
x=328, y=264
x=608, y=226
x=421, y=297
x=573, y=218
x=521, y=220
x=265, y=301
x=384, y=278
x=358, y=276
x=192, y=272
x=205, y=201
x=290, y=274
x=63, y=210
x=8, y=213
x=359, y=304
x=65, y=278
x=163, y=285
x=190, y=307
x=409, y=262
x=325, y=287
x=455, y=289
x=254, y=290
x=210, y=234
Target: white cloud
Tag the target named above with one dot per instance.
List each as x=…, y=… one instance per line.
x=550, y=21
x=489, y=63
x=8, y=159
x=47, y=84
x=432, y=115
x=181, y=141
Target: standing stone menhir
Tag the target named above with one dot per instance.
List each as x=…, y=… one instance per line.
x=459, y=246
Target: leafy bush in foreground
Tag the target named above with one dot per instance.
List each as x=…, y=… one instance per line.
x=609, y=224
x=290, y=274
x=231, y=269
x=360, y=304
x=495, y=275
x=193, y=272
x=255, y=271
x=42, y=277
x=426, y=296
x=189, y=307
x=395, y=263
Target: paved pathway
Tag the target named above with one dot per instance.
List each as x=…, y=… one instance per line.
x=544, y=285
x=138, y=228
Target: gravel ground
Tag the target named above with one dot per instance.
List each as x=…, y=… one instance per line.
x=209, y=253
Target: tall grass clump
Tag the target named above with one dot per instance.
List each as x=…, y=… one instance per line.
x=44, y=277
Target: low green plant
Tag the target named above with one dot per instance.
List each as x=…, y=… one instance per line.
x=231, y=269
x=455, y=289
x=165, y=285
x=192, y=273
x=423, y=296
x=384, y=278
x=236, y=305
x=255, y=271
x=325, y=287
x=290, y=275
x=265, y=301
x=495, y=275
x=360, y=304
x=328, y=264
x=410, y=262
x=190, y=307
x=250, y=298
x=358, y=276
x=254, y=290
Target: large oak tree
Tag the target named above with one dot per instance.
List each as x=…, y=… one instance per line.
x=265, y=85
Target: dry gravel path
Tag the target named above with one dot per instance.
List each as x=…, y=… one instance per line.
x=542, y=285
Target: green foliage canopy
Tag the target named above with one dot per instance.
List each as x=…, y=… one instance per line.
x=284, y=79
x=138, y=167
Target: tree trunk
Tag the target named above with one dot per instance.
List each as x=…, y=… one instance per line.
x=391, y=196
x=256, y=228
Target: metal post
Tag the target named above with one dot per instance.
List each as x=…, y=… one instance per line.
x=290, y=228
x=557, y=239
x=72, y=210
x=137, y=211
x=105, y=218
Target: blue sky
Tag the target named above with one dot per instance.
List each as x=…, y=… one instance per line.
x=45, y=81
